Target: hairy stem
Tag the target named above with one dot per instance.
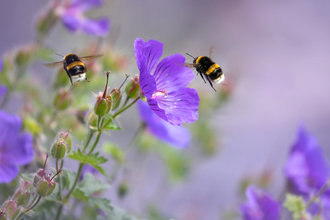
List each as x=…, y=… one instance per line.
x=322, y=190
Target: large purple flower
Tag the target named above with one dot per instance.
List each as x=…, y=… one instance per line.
x=307, y=168
x=15, y=148
x=164, y=86
x=259, y=206
x=174, y=135
x=3, y=89
x=74, y=20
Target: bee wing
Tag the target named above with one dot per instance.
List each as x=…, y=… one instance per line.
x=191, y=65
x=90, y=57
x=212, y=50
x=54, y=64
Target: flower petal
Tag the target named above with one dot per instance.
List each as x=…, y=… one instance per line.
x=180, y=106
x=98, y=27
x=3, y=90
x=307, y=168
x=147, y=53
x=173, y=135
x=171, y=73
x=71, y=21
x=259, y=206
x=8, y=172
x=19, y=151
x=84, y=5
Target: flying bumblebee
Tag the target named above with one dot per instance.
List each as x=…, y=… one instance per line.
x=74, y=68
x=208, y=69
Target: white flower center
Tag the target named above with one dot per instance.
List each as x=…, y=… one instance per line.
x=159, y=94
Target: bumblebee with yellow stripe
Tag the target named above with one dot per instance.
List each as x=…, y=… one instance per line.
x=208, y=69
x=74, y=68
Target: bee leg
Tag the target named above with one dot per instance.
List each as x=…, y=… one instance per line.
x=208, y=79
x=87, y=79
x=202, y=77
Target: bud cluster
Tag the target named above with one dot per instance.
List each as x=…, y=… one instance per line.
x=133, y=88
x=62, y=145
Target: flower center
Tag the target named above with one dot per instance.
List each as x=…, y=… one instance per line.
x=159, y=94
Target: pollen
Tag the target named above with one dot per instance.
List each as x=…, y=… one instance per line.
x=159, y=94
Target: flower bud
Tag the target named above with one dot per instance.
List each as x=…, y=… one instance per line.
x=62, y=146
x=24, y=54
x=102, y=105
x=116, y=98
x=91, y=118
x=3, y=214
x=133, y=88
x=123, y=189
x=103, y=101
x=11, y=209
x=43, y=181
x=62, y=99
x=23, y=194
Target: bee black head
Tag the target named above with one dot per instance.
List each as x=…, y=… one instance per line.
x=71, y=58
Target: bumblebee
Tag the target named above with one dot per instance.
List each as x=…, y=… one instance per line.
x=208, y=69
x=74, y=68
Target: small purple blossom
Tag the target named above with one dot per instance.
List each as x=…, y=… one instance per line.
x=15, y=148
x=307, y=168
x=164, y=85
x=259, y=206
x=3, y=89
x=88, y=169
x=174, y=135
x=74, y=20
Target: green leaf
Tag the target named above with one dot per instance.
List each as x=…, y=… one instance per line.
x=89, y=185
x=115, y=152
x=296, y=205
x=93, y=160
x=28, y=176
x=109, y=124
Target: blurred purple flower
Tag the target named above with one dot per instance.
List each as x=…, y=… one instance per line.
x=165, y=89
x=15, y=148
x=259, y=206
x=74, y=20
x=307, y=168
x=88, y=169
x=3, y=89
x=170, y=134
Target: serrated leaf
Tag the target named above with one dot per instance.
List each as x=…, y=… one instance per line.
x=93, y=160
x=115, y=152
x=109, y=124
x=90, y=185
x=79, y=194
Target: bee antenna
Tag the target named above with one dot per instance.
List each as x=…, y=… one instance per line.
x=59, y=55
x=190, y=55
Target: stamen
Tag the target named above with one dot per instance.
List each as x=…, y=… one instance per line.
x=159, y=94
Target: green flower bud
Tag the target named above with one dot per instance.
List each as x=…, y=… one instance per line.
x=102, y=105
x=43, y=181
x=22, y=194
x=59, y=149
x=133, y=88
x=45, y=187
x=91, y=118
x=62, y=99
x=116, y=98
x=11, y=209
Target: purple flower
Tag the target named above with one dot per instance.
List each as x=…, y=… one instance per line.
x=164, y=85
x=15, y=148
x=307, y=168
x=74, y=20
x=259, y=206
x=170, y=134
x=3, y=89
x=88, y=169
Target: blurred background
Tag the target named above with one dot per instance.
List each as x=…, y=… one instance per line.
x=275, y=56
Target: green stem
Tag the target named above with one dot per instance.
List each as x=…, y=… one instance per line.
x=59, y=179
x=59, y=212
x=121, y=110
x=75, y=182
x=89, y=137
x=318, y=194
x=95, y=143
x=34, y=205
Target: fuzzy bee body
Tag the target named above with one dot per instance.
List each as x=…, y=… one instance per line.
x=208, y=69
x=74, y=67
